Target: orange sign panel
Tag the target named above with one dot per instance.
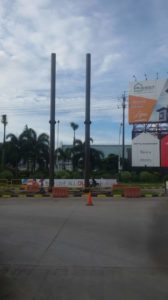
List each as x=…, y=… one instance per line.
x=147, y=99
x=140, y=109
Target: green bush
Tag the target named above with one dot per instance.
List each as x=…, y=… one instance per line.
x=135, y=177
x=125, y=176
x=39, y=174
x=118, y=192
x=6, y=174
x=145, y=176
x=165, y=178
x=23, y=174
x=63, y=174
x=156, y=177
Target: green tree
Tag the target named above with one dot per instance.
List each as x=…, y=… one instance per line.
x=63, y=156
x=13, y=150
x=30, y=149
x=78, y=157
x=110, y=163
x=74, y=127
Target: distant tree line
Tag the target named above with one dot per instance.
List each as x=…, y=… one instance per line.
x=27, y=155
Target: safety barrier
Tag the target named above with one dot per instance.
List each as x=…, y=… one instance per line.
x=33, y=187
x=132, y=192
x=118, y=186
x=60, y=192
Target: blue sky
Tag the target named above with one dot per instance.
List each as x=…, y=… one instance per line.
x=124, y=37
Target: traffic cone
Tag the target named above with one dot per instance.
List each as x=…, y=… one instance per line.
x=89, y=200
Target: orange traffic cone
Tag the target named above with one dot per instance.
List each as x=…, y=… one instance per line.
x=89, y=200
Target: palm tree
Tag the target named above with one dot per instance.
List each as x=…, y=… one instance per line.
x=29, y=148
x=13, y=150
x=63, y=155
x=79, y=156
x=41, y=156
x=74, y=127
x=28, y=140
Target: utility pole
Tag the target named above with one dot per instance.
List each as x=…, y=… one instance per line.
x=58, y=122
x=52, y=120
x=4, y=121
x=87, y=121
x=123, y=132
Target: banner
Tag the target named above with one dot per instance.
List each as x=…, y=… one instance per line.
x=164, y=151
x=148, y=101
x=70, y=182
x=145, y=151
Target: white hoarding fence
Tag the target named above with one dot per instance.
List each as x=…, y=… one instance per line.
x=74, y=183
x=145, y=151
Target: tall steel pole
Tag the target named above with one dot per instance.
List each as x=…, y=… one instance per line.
x=57, y=143
x=52, y=119
x=4, y=122
x=87, y=121
x=123, y=133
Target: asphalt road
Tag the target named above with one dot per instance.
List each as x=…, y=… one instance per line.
x=62, y=249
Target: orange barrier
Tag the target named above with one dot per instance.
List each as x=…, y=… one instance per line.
x=132, y=192
x=33, y=187
x=23, y=187
x=60, y=192
x=118, y=186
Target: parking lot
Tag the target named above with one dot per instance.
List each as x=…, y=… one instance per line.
x=64, y=249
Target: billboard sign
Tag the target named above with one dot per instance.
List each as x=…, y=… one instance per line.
x=146, y=99
x=145, y=151
x=164, y=151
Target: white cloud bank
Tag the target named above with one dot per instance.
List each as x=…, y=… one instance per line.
x=31, y=30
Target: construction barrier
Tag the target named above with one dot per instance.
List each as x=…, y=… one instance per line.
x=33, y=187
x=118, y=186
x=60, y=192
x=132, y=192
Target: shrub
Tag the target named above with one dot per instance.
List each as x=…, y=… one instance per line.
x=125, y=176
x=135, y=177
x=118, y=192
x=23, y=174
x=165, y=178
x=6, y=174
x=155, y=177
x=63, y=175
x=145, y=176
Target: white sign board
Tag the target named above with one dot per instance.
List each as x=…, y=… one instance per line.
x=145, y=151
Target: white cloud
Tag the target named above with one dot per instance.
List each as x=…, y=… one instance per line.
x=109, y=62
x=31, y=30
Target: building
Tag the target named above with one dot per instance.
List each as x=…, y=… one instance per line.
x=109, y=149
x=105, y=149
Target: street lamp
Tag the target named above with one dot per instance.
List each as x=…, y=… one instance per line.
x=4, y=122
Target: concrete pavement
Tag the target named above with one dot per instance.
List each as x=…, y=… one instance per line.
x=63, y=249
